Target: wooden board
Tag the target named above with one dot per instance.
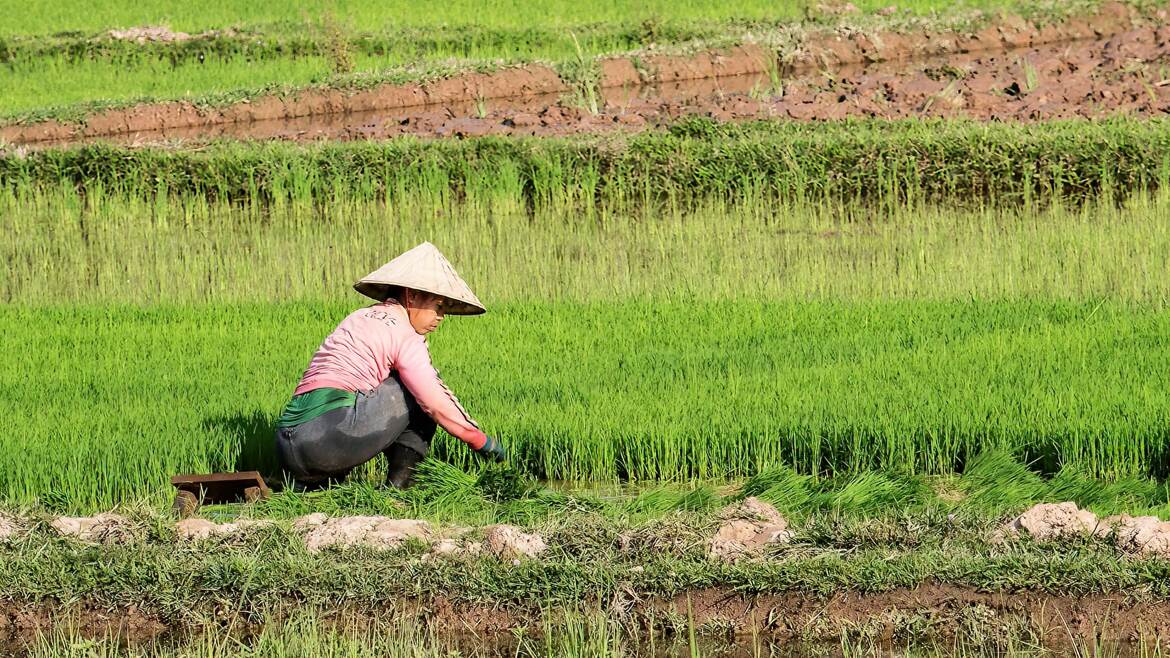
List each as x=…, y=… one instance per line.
x=223, y=487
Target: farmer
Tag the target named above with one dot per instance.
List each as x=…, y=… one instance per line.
x=371, y=388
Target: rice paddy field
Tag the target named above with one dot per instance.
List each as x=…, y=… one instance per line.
x=886, y=340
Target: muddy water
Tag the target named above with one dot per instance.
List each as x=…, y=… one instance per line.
x=1126, y=74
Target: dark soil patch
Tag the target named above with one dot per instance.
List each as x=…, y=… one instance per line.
x=24, y=622
x=1113, y=62
x=934, y=612
x=947, y=612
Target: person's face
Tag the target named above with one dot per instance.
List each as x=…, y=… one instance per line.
x=425, y=310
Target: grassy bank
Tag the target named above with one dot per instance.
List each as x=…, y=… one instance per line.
x=882, y=164
x=617, y=569
x=590, y=559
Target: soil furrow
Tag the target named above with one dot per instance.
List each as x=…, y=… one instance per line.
x=934, y=612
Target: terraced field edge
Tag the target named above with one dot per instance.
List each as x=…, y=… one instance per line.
x=793, y=49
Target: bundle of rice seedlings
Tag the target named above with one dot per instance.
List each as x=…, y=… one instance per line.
x=654, y=501
x=872, y=491
x=503, y=483
x=781, y=486
x=434, y=479
x=997, y=481
x=698, y=499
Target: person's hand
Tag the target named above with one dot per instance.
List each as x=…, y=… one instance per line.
x=492, y=449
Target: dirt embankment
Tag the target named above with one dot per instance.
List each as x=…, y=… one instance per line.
x=933, y=612
x=1116, y=61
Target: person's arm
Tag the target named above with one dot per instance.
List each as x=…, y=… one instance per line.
x=422, y=380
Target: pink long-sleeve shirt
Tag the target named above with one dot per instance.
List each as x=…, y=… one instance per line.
x=371, y=343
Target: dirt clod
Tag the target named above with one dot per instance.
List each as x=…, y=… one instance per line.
x=196, y=529
x=392, y=532
x=508, y=541
x=454, y=548
x=1145, y=536
x=105, y=528
x=309, y=521
x=9, y=528
x=836, y=9
x=372, y=531
x=1053, y=521
x=149, y=33
x=199, y=529
x=749, y=528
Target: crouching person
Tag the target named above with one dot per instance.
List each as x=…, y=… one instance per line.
x=370, y=388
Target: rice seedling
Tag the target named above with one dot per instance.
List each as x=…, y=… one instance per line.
x=39, y=85
x=740, y=333
x=888, y=166
x=683, y=390
x=871, y=491
x=996, y=480
x=503, y=484
x=583, y=76
x=781, y=486
x=142, y=252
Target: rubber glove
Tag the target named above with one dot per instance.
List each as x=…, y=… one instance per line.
x=492, y=449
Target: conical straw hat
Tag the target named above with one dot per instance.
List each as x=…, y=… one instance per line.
x=422, y=268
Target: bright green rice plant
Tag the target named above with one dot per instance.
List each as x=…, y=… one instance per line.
x=995, y=480
x=781, y=486
x=871, y=491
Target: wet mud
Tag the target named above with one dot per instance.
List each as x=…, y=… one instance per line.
x=1114, y=62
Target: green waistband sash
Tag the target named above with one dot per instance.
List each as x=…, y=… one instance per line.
x=310, y=404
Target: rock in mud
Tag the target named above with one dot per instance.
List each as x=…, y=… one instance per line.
x=1051, y=521
x=372, y=531
x=748, y=529
x=510, y=542
x=105, y=528
x=1145, y=536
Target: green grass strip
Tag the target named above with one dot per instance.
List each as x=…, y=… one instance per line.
x=882, y=164
x=272, y=569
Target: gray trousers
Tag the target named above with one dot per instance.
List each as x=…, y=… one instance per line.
x=386, y=419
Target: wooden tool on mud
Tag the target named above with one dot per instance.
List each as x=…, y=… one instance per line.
x=195, y=490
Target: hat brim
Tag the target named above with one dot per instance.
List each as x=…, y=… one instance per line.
x=379, y=292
